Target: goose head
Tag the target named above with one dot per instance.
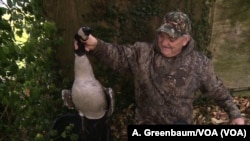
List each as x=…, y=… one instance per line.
x=81, y=36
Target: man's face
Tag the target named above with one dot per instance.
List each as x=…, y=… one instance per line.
x=171, y=47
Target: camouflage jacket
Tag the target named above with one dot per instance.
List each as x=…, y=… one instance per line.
x=165, y=87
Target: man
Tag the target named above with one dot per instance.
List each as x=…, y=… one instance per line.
x=166, y=73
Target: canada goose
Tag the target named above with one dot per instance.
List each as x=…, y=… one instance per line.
x=87, y=96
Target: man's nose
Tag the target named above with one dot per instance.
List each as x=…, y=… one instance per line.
x=165, y=42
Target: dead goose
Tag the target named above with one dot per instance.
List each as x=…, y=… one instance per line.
x=87, y=96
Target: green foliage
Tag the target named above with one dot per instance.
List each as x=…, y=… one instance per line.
x=29, y=96
x=68, y=132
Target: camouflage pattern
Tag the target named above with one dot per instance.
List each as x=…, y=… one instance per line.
x=175, y=24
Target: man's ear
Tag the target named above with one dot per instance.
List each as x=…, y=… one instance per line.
x=186, y=39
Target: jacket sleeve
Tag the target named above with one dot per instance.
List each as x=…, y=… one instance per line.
x=118, y=57
x=217, y=90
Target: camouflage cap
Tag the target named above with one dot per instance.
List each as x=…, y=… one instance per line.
x=175, y=24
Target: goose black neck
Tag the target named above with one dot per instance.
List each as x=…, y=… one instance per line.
x=81, y=48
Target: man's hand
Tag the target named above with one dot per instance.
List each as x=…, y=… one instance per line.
x=238, y=121
x=90, y=43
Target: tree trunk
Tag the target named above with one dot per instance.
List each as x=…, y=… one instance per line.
x=66, y=17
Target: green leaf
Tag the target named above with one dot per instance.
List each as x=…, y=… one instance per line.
x=4, y=25
x=10, y=3
x=74, y=137
x=49, y=28
x=2, y=11
x=64, y=135
x=6, y=50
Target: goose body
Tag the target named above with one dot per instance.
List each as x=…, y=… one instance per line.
x=87, y=92
x=94, y=103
